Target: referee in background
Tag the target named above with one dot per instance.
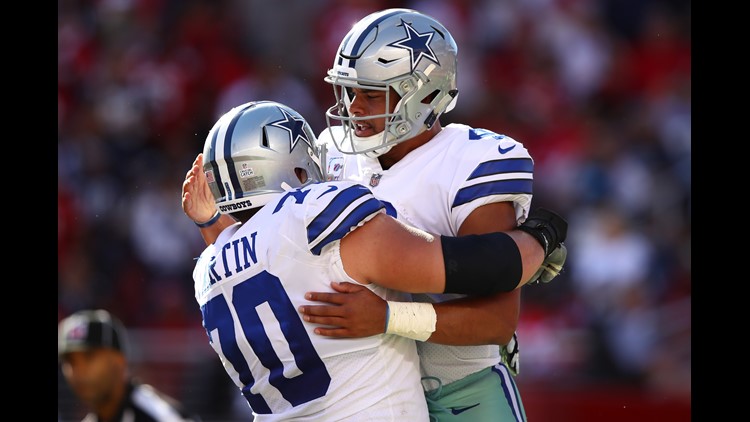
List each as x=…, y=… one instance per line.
x=92, y=346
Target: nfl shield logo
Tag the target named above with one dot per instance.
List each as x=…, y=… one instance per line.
x=375, y=179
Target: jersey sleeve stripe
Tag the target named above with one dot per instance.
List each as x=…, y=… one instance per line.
x=360, y=214
x=495, y=187
x=336, y=207
x=508, y=165
x=350, y=207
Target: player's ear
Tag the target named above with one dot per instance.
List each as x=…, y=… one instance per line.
x=301, y=174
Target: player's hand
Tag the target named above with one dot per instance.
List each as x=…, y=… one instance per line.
x=354, y=311
x=197, y=200
x=511, y=356
x=552, y=265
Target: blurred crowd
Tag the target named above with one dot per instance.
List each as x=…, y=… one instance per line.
x=599, y=91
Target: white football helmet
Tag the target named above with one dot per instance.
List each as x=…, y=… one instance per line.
x=401, y=49
x=251, y=153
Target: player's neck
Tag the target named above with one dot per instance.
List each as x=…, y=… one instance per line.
x=399, y=151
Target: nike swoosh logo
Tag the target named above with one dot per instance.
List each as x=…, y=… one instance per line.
x=384, y=61
x=330, y=189
x=503, y=151
x=459, y=410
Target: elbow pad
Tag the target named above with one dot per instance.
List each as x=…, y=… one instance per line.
x=481, y=264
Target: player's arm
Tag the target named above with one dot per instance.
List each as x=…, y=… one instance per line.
x=199, y=205
x=394, y=255
x=493, y=319
x=480, y=320
x=357, y=312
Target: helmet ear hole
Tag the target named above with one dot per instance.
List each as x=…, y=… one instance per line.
x=301, y=174
x=428, y=99
x=264, y=139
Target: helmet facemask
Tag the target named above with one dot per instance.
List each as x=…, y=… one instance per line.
x=338, y=114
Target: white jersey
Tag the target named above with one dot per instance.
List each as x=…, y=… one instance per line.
x=435, y=187
x=249, y=285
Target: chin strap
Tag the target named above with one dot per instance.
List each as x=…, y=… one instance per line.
x=445, y=105
x=370, y=142
x=286, y=187
x=321, y=159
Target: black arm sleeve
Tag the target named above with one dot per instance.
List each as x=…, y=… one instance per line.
x=481, y=264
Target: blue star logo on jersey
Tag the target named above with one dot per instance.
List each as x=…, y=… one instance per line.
x=295, y=127
x=417, y=44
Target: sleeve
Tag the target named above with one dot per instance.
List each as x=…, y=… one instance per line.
x=334, y=210
x=505, y=172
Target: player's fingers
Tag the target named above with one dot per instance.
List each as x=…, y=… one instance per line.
x=320, y=311
x=194, y=170
x=333, y=332
x=188, y=182
x=346, y=287
x=334, y=298
x=323, y=320
x=187, y=191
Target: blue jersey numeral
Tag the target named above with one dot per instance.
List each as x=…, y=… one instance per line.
x=478, y=133
x=265, y=289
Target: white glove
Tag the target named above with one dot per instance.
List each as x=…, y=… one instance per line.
x=510, y=355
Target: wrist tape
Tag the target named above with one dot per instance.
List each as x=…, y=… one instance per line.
x=414, y=320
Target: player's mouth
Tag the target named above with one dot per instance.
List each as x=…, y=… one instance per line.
x=363, y=129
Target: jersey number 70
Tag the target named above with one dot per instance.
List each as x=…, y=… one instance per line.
x=261, y=308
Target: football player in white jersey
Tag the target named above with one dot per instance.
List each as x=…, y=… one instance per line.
x=297, y=233
x=393, y=76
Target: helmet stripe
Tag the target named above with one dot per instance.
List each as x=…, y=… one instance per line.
x=226, y=140
x=212, y=160
x=340, y=59
x=234, y=179
x=360, y=39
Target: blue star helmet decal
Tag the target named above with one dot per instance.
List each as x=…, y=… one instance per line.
x=417, y=44
x=294, y=126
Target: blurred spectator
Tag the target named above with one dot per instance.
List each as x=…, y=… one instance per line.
x=611, y=269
